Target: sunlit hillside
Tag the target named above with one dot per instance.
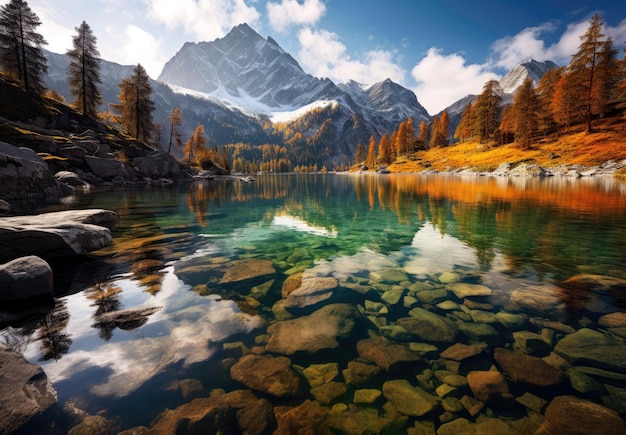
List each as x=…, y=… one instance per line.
x=606, y=143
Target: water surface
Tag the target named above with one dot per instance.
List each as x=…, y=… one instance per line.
x=385, y=239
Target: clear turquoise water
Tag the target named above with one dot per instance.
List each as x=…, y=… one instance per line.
x=503, y=233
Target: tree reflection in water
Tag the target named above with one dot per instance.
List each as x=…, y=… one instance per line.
x=105, y=298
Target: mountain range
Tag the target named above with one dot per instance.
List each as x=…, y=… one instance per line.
x=244, y=88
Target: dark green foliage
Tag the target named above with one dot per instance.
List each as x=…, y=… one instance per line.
x=21, y=52
x=84, y=71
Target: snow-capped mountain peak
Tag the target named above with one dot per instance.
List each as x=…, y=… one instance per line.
x=531, y=68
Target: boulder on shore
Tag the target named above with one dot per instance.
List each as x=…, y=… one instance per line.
x=24, y=278
x=26, y=391
x=58, y=234
x=23, y=174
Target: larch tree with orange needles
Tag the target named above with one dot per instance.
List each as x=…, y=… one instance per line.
x=525, y=114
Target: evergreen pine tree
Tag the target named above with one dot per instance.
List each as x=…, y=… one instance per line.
x=21, y=47
x=84, y=71
x=136, y=105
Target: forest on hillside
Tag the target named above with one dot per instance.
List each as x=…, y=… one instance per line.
x=592, y=86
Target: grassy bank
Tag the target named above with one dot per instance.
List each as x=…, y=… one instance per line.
x=607, y=142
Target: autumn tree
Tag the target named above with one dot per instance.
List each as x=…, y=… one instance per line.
x=507, y=124
x=383, y=150
x=465, y=129
x=84, y=71
x=525, y=113
x=195, y=147
x=434, y=128
x=21, y=46
x=370, y=161
x=592, y=71
x=176, y=120
x=136, y=105
x=621, y=78
x=486, y=110
x=423, y=137
x=545, y=93
x=359, y=154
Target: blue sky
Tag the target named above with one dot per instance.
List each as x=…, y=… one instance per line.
x=442, y=50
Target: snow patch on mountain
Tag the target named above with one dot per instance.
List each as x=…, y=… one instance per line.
x=531, y=68
x=292, y=115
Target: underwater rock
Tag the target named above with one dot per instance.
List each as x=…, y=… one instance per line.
x=527, y=370
x=589, y=347
x=428, y=326
x=409, y=400
x=311, y=292
x=328, y=392
x=386, y=354
x=462, y=289
x=26, y=391
x=271, y=375
x=542, y=299
x=490, y=387
x=320, y=330
x=308, y=417
x=591, y=418
x=319, y=374
x=247, y=269
x=460, y=351
x=359, y=373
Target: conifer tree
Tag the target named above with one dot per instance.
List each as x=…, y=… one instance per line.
x=545, y=94
x=196, y=145
x=487, y=109
x=621, y=78
x=371, y=153
x=176, y=120
x=383, y=150
x=359, y=155
x=565, y=104
x=434, y=131
x=464, y=131
x=136, y=105
x=525, y=114
x=21, y=47
x=591, y=71
x=84, y=71
x=424, y=134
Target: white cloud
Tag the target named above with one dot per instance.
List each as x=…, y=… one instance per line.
x=323, y=55
x=444, y=79
x=510, y=51
x=205, y=20
x=134, y=45
x=291, y=12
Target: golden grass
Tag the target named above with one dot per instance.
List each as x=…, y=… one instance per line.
x=607, y=142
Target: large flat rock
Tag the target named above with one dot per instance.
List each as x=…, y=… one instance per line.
x=26, y=391
x=57, y=234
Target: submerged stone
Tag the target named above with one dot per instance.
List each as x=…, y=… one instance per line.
x=490, y=387
x=569, y=415
x=386, y=354
x=590, y=347
x=428, y=326
x=247, y=269
x=463, y=289
x=527, y=370
x=366, y=396
x=311, y=292
x=460, y=351
x=409, y=400
x=326, y=393
x=359, y=373
x=319, y=374
x=271, y=375
x=320, y=330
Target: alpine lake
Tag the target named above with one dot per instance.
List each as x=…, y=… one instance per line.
x=337, y=303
